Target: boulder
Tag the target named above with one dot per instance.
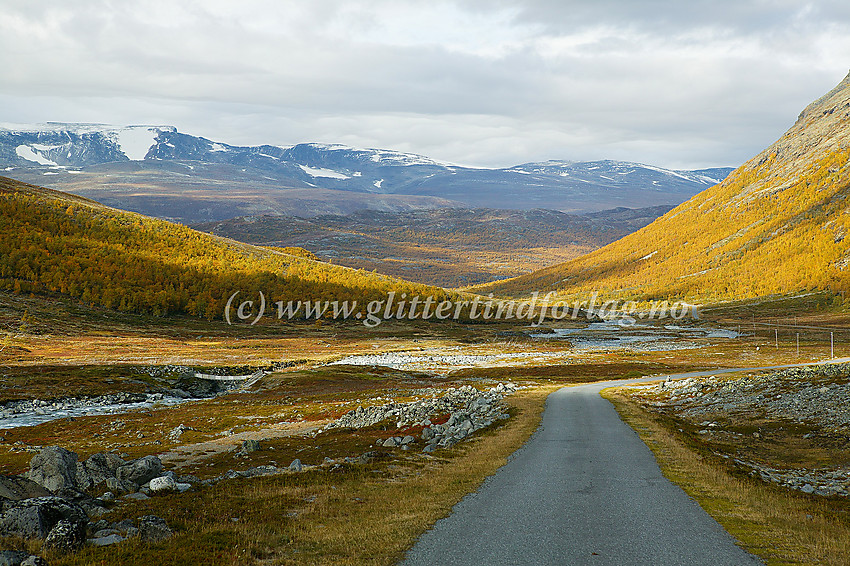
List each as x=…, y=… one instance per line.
x=427, y=433
x=97, y=468
x=296, y=466
x=66, y=536
x=12, y=557
x=18, y=558
x=54, y=468
x=163, y=484
x=121, y=486
x=140, y=471
x=153, y=528
x=106, y=540
x=15, y=488
x=248, y=446
x=35, y=518
x=407, y=440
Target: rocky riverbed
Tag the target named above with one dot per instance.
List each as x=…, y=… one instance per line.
x=32, y=412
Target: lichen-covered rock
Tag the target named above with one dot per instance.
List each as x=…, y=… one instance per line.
x=66, y=536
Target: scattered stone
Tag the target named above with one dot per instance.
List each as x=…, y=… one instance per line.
x=296, y=466
x=106, y=540
x=137, y=496
x=175, y=433
x=248, y=446
x=407, y=440
x=808, y=488
x=153, y=529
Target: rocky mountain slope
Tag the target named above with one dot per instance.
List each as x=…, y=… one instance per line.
x=777, y=224
x=159, y=171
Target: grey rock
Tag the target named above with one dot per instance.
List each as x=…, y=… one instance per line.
x=107, y=540
x=137, y=497
x=140, y=471
x=391, y=442
x=33, y=560
x=427, y=433
x=12, y=557
x=66, y=536
x=248, y=446
x=407, y=440
x=35, y=518
x=296, y=466
x=15, y=488
x=121, y=486
x=97, y=469
x=54, y=468
x=153, y=529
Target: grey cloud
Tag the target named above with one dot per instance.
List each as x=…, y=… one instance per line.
x=673, y=83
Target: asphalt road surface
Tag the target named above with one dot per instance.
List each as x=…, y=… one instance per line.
x=583, y=490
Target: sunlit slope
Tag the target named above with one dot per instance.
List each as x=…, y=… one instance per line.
x=53, y=242
x=777, y=224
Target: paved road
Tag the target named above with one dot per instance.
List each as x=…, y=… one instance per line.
x=584, y=490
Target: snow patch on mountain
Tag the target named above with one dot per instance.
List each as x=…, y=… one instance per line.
x=321, y=172
x=27, y=152
x=135, y=141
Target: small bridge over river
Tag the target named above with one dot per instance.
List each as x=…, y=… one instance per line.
x=235, y=381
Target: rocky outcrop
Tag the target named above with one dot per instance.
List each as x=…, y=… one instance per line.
x=469, y=410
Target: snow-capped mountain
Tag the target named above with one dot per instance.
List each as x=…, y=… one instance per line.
x=92, y=159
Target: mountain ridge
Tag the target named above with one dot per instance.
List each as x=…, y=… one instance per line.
x=189, y=173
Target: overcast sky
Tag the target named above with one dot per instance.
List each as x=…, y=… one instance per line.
x=675, y=83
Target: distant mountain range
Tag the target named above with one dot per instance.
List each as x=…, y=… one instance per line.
x=159, y=171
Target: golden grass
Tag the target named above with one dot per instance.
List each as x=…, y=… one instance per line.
x=780, y=526
x=357, y=515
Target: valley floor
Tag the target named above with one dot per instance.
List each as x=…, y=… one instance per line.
x=365, y=493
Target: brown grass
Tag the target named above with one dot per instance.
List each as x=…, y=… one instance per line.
x=356, y=515
x=780, y=526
